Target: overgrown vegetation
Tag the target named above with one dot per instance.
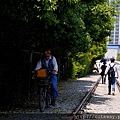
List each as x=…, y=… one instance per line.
x=72, y=29
x=118, y=57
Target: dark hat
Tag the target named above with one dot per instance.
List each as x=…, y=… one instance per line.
x=104, y=62
x=47, y=52
x=112, y=58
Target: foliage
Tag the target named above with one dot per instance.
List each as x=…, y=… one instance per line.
x=81, y=63
x=118, y=57
x=98, y=21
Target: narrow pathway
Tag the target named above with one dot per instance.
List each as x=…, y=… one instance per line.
x=101, y=102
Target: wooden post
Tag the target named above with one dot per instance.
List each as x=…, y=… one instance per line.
x=29, y=84
x=30, y=70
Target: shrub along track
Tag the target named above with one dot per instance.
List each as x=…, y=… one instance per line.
x=79, y=110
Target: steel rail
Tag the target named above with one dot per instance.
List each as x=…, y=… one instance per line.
x=85, y=99
x=118, y=85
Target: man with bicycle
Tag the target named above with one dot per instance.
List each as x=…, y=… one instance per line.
x=49, y=63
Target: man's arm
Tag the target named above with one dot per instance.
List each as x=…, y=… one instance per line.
x=38, y=66
x=117, y=70
x=55, y=65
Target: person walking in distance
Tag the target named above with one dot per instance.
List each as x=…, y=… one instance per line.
x=103, y=67
x=49, y=62
x=112, y=72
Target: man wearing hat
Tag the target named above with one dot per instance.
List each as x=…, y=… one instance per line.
x=50, y=64
x=111, y=78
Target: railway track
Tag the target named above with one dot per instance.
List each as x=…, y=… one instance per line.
x=118, y=85
x=79, y=110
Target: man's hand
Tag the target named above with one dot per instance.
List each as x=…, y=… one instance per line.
x=53, y=72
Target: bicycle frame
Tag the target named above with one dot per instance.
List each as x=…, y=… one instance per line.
x=44, y=94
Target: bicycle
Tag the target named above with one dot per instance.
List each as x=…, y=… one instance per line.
x=44, y=86
x=45, y=97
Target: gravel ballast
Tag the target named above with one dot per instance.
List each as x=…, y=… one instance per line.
x=71, y=92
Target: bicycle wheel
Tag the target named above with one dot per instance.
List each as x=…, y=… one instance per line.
x=42, y=100
x=48, y=97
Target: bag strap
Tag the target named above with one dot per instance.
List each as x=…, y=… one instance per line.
x=112, y=66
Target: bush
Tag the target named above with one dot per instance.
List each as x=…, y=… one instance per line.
x=81, y=63
x=118, y=57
